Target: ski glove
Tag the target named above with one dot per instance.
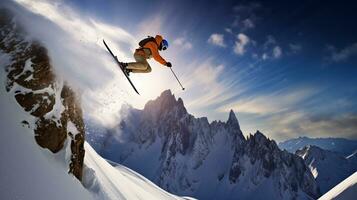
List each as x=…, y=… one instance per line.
x=168, y=64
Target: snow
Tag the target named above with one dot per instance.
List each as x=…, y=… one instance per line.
x=30, y=172
x=203, y=170
x=328, y=168
x=72, y=129
x=27, y=68
x=26, y=170
x=340, y=145
x=346, y=190
x=58, y=107
x=119, y=182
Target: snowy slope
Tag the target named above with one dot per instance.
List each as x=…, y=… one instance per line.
x=329, y=168
x=340, y=145
x=118, y=182
x=346, y=190
x=26, y=170
x=40, y=123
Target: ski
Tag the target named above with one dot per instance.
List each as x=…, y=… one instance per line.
x=120, y=66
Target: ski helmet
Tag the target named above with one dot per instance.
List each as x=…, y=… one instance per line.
x=164, y=44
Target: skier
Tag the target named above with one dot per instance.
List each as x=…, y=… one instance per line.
x=149, y=47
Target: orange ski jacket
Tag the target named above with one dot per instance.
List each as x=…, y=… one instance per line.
x=154, y=49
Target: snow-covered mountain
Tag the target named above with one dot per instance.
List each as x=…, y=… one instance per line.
x=346, y=190
x=42, y=149
x=190, y=156
x=329, y=168
x=343, y=146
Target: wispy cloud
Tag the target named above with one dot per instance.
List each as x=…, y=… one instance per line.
x=183, y=43
x=152, y=25
x=295, y=48
x=270, y=41
x=277, y=52
x=268, y=104
x=343, y=54
x=271, y=49
x=302, y=123
x=265, y=56
x=209, y=84
x=241, y=43
x=248, y=24
x=217, y=39
x=228, y=30
x=245, y=16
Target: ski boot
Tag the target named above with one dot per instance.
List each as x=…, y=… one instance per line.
x=125, y=69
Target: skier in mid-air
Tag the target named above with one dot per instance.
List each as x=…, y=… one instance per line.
x=149, y=47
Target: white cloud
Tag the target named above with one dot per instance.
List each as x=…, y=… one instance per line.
x=182, y=42
x=217, y=39
x=277, y=52
x=241, y=43
x=344, y=53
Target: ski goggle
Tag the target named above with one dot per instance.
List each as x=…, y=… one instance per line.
x=164, y=44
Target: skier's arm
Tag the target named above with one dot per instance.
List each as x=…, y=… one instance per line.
x=155, y=53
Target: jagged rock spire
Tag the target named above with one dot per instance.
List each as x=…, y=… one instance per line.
x=232, y=120
x=165, y=103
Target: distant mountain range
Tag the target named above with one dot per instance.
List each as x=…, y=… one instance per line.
x=342, y=146
x=190, y=156
x=328, y=168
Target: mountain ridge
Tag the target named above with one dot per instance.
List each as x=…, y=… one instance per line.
x=190, y=156
x=329, y=168
x=343, y=146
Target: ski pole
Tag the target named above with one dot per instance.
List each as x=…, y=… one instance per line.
x=177, y=79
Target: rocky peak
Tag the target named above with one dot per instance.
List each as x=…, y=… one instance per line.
x=167, y=95
x=259, y=142
x=259, y=138
x=165, y=103
x=185, y=141
x=232, y=119
x=315, y=152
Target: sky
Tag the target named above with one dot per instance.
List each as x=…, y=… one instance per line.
x=287, y=68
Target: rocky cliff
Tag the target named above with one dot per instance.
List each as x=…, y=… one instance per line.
x=57, y=117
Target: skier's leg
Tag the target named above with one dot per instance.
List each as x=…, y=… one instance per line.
x=140, y=66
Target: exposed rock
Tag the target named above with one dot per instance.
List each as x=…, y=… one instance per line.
x=190, y=156
x=31, y=79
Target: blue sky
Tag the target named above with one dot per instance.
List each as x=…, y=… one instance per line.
x=287, y=68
